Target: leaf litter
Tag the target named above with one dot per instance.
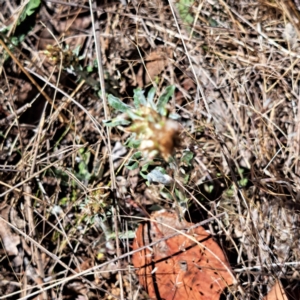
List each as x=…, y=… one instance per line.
x=235, y=70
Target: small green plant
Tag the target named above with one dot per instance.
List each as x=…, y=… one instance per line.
x=153, y=129
x=83, y=173
x=69, y=60
x=154, y=132
x=16, y=38
x=29, y=10
x=183, y=7
x=97, y=203
x=64, y=56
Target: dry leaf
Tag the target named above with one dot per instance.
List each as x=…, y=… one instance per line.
x=86, y=264
x=155, y=63
x=179, y=268
x=189, y=86
x=277, y=292
x=10, y=241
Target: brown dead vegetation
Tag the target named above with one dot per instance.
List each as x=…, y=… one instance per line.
x=65, y=193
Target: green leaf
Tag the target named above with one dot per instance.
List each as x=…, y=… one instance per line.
x=86, y=155
x=180, y=196
x=155, y=207
x=117, y=104
x=144, y=176
x=161, y=170
x=131, y=142
x=90, y=69
x=165, y=194
x=243, y=182
x=212, y=22
x=174, y=116
x=129, y=234
x=208, y=188
x=144, y=170
x=158, y=175
x=186, y=179
x=133, y=162
x=150, y=97
x=139, y=98
x=187, y=157
x=32, y=6
x=133, y=115
x=116, y=122
x=146, y=166
x=30, y=9
x=229, y=192
x=76, y=51
x=134, y=166
x=164, y=99
x=184, y=8
x=83, y=174
x=15, y=41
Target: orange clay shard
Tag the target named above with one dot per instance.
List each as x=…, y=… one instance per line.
x=180, y=267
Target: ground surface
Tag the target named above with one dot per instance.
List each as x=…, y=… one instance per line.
x=69, y=185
